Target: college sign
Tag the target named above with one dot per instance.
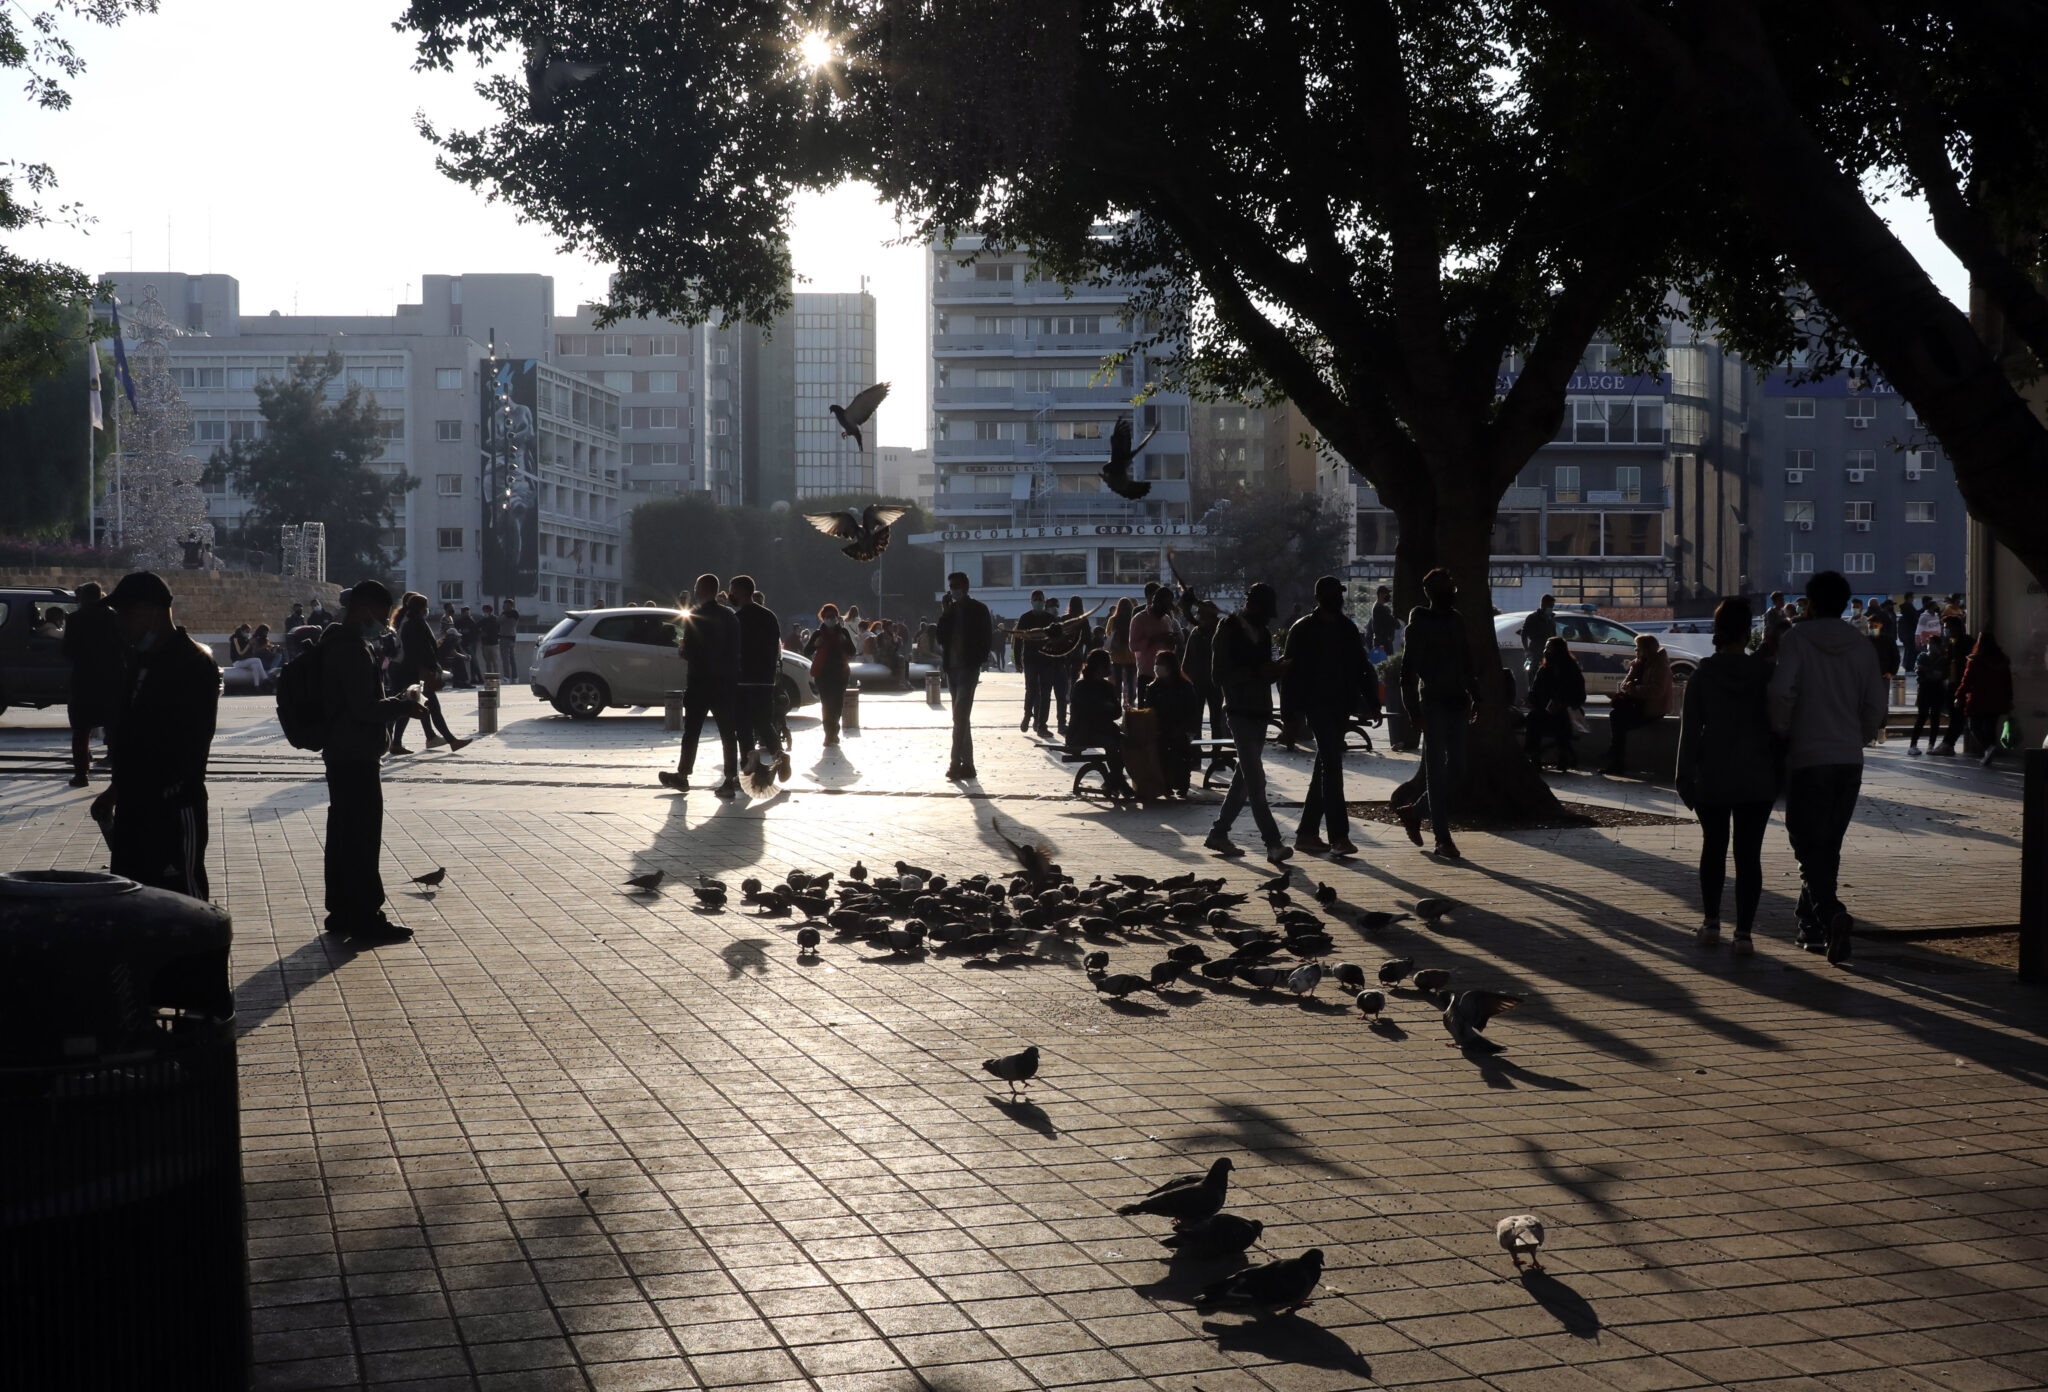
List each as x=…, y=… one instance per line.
x=1104, y=529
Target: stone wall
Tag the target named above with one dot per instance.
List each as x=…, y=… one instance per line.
x=204, y=601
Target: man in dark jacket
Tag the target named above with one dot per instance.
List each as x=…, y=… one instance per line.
x=487, y=640
x=466, y=628
x=93, y=643
x=1032, y=661
x=760, y=668
x=711, y=648
x=1328, y=681
x=1440, y=690
x=358, y=717
x=1244, y=669
x=1385, y=625
x=966, y=637
x=167, y=704
x=1198, y=663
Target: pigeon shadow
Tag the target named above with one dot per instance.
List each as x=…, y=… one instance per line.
x=1025, y=1112
x=745, y=955
x=1387, y=1028
x=1289, y=1339
x=1181, y=997
x=1258, y=1130
x=1314, y=1005
x=1187, y=1276
x=1138, y=1008
x=1570, y=1309
x=1503, y=1073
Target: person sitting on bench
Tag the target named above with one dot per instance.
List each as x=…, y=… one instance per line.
x=1173, y=698
x=1092, y=714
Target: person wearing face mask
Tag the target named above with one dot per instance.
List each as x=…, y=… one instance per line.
x=169, y=697
x=831, y=653
x=1038, y=671
x=358, y=718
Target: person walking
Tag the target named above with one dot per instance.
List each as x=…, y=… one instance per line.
x=1556, y=692
x=1031, y=661
x=169, y=698
x=508, y=641
x=1199, y=663
x=487, y=640
x=1827, y=699
x=1728, y=772
x=357, y=713
x=831, y=652
x=1153, y=631
x=710, y=648
x=96, y=651
x=1930, y=690
x=1244, y=669
x=1956, y=642
x=419, y=664
x=966, y=637
x=1985, y=693
x=1440, y=691
x=1644, y=699
x=1121, y=659
x=760, y=669
x=1328, y=681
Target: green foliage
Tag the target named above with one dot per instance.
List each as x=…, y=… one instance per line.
x=312, y=465
x=1287, y=540
x=676, y=539
x=43, y=439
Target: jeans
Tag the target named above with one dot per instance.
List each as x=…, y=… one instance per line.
x=1819, y=802
x=355, y=843
x=1933, y=702
x=1248, y=784
x=1446, y=735
x=1325, y=800
x=1558, y=726
x=832, y=699
x=428, y=722
x=961, y=681
x=1127, y=682
x=720, y=706
x=1037, y=693
x=508, y=658
x=1750, y=819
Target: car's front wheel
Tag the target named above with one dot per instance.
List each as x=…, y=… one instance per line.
x=583, y=697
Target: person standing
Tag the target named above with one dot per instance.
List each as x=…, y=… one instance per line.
x=94, y=646
x=1384, y=628
x=487, y=640
x=466, y=626
x=1556, y=691
x=319, y=616
x=1153, y=631
x=1199, y=661
x=508, y=641
x=1956, y=643
x=1122, y=660
x=1328, y=681
x=1827, y=699
x=1985, y=693
x=966, y=637
x=1440, y=691
x=831, y=652
x=1244, y=669
x=295, y=619
x=760, y=668
x=1930, y=691
x=1031, y=661
x=1727, y=772
x=1644, y=698
x=1537, y=631
x=169, y=698
x=1884, y=636
x=710, y=648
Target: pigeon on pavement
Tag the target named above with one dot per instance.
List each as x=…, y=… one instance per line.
x=1121, y=985
x=648, y=882
x=1015, y=1069
x=1225, y=1235
x=1466, y=1016
x=1392, y=972
x=1304, y=979
x=1431, y=910
x=1276, y=1288
x=1188, y=1199
x=1371, y=1003
x=1350, y=976
x=1325, y=893
x=1431, y=980
x=1095, y=963
x=1372, y=920
x=807, y=941
x=432, y=879
x=1521, y=1233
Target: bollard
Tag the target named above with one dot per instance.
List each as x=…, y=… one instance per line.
x=487, y=707
x=672, y=712
x=849, y=715
x=2033, y=873
x=931, y=688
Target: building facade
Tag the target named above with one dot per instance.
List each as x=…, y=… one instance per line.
x=681, y=388
x=1240, y=447
x=1023, y=405
x=835, y=361
x=903, y=472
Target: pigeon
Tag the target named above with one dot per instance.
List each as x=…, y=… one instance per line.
x=548, y=76
x=1392, y=972
x=1372, y=920
x=1035, y=858
x=1117, y=472
x=648, y=882
x=1188, y=1199
x=1142, y=883
x=1167, y=972
x=1095, y=963
x=715, y=898
x=1430, y=910
x=905, y=868
x=858, y=872
x=1015, y=1069
x=432, y=879
x=902, y=941
x=1325, y=893
x=1310, y=945
x=807, y=942
x=1432, y=980
x=1263, y=978
x=750, y=886
x=1279, y=881
x=1225, y=1235
x=1304, y=979
x=1220, y=971
x=866, y=532
x=1466, y=1016
x=854, y=414
x=1188, y=952
x=1521, y=1233
x=1275, y=1288
x=1350, y=975
x=1371, y=1003
x=1121, y=985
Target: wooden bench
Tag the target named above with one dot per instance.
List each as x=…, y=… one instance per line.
x=1221, y=754
x=1096, y=761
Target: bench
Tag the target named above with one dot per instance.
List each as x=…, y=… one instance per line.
x=1221, y=754
x=1096, y=761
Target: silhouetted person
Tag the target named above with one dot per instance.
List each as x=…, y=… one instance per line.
x=1328, y=681
x=1728, y=771
x=1244, y=669
x=710, y=648
x=1557, y=689
x=760, y=670
x=96, y=649
x=170, y=696
x=1985, y=693
x=831, y=652
x=1440, y=690
x=966, y=637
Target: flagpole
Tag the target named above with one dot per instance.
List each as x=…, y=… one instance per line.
x=92, y=429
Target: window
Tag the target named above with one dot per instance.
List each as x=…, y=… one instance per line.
x=1799, y=459
x=1799, y=562
x=1856, y=510
x=1045, y=568
x=209, y=432
x=391, y=429
x=985, y=377
x=994, y=324
x=1125, y=566
x=1059, y=324
x=455, y=290
x=1589, y=422
x=1565, y=482
x=1920, y=562
x=201, y=378
x=1571, y=534
x=1634, y=533
x=1920, y=511
x=448, y=431
x=663, y=346
x=1859, y=562
x=985, y=271
x=1628, y=481
x=1166, y=417
x=1919, y=462
x=451, y=589
x=448, y=538
x=661, y=381
x=241, y=379
x=998, y=570
x=1799, y=510
x=1860, y=463
x=724, y=354
x=652, y=630
x=721, y=426
x=1516, y=534
x=448, y=485
x=657, y=454
x=1799, y=408
x=617, y=381
x=1164, y=466
x=1861, y=408
x=448, y=379
x=247, y=430
x=618, y=345
x=995, y=430
x=570, y=345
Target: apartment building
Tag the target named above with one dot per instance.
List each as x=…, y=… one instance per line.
x=681, y=390
x=835, y=361
x=903, y=472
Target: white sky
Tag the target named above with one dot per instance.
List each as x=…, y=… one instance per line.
x=274, y=142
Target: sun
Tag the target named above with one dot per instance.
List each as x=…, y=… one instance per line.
x=816, y=49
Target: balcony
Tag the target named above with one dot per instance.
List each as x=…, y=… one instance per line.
x=967, y=344
x=1016, y=398
x=1033, y=292
x=1030, y=451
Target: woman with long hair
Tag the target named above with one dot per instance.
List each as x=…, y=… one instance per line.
x=1122, y=659
x=419, y=662
x=1557, y=689
x=1728, y=770
x=1984, y=695
x=831, y=650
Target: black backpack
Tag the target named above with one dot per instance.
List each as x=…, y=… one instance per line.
x=301, y=703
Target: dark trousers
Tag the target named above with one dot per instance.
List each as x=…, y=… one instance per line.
x=1041, y=684
x=1930, y=705
x=1446, y=736
x=1955, y=726
x=355, y=843
x=160, y=844
x=1062, y=681
x=1556, y=725
x=1212, y=701
x=755, y=707
x=719, y=706
x=1819, y=802
x=1325, y=800
x=508, y=658
x=1248, y=783
x=1623, y=716
x=832, y=700
x=1985, y=728
x=1749, y=819
x=429, y=722
x=961, y=681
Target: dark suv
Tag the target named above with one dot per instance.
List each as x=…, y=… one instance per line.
x=33, y=669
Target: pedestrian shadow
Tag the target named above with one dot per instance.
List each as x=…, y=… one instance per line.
x=1262, y=1132
x=1290, y=1339
x=1025, y=1112
x=745, y=955
x=1566, y=1305
x=270, y=988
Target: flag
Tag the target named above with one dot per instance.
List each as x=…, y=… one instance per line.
x=121, y=358
x=92, y=380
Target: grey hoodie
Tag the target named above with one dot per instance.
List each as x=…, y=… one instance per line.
x=1827, y=694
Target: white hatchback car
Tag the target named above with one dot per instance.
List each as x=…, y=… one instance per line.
x=596, y=658
x=1603, y=647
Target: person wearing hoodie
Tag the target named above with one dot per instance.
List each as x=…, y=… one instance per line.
x=1827, y=699
x=1557, y=690
x=1644, y=698
x=1985, y=693
x=1728, y=772
x=1931, y=693
x=1956, y=638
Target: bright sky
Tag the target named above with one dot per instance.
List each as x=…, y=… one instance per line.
x=274, y=143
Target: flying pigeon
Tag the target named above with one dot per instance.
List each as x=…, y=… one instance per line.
x=1519, y=1234
x=1276, y=1288
x=866, y=532
x=648, y=882
x=1117, y=472
x=854, y=414
x=1430, y=910
x=432, y=879
x=1371, y=1003
x=1392, y=972
x=1466, y=1016
x=1188, y=1199
x=1225, y=1235
x=807, y=942
x=1121, y=985
x=1431, y=980
x=1036, y=857
x=1350, y=976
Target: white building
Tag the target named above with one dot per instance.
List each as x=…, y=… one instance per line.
x=680, y=387
x=903, y=472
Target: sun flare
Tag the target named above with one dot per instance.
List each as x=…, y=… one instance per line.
x=816, y=49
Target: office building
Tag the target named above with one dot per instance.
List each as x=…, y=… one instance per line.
x=1237, y=447
x=1022, y=409
x=835, y=361
x=903, y=472
x=681, y=391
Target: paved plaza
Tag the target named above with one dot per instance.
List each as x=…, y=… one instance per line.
x=575, y=1138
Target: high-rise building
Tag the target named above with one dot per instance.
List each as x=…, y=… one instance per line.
x=1022, y=410
x=681, y=390
x=835, y=361
x=903, y=472
x=1236, y=445
x=768, y=412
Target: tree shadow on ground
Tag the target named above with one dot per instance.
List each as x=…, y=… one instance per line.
x=1260, y=1131
x=1570, y=1309
x=1290, y=1339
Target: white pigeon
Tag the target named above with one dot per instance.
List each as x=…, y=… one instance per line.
x=1519, y=1234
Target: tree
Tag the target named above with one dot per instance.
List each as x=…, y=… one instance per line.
x=1288, y=540
x=312, y=464
x=44, y=439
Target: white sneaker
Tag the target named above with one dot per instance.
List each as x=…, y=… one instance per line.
x=1709, y=934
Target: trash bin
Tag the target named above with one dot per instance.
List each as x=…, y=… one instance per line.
x=672, y=711
x=931, y=689
x=122, y=1261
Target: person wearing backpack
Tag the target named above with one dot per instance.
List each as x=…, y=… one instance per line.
x=356, y=715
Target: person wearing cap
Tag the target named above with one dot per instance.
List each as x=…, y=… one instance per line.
x=359, y=715
x=169, y=697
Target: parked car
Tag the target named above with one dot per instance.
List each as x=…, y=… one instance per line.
x=596, y=658
x=33, y=668
x=1603, y=647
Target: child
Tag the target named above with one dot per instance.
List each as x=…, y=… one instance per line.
x=1178, y=707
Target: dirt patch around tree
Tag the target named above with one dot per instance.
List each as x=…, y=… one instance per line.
x=1575, y=816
